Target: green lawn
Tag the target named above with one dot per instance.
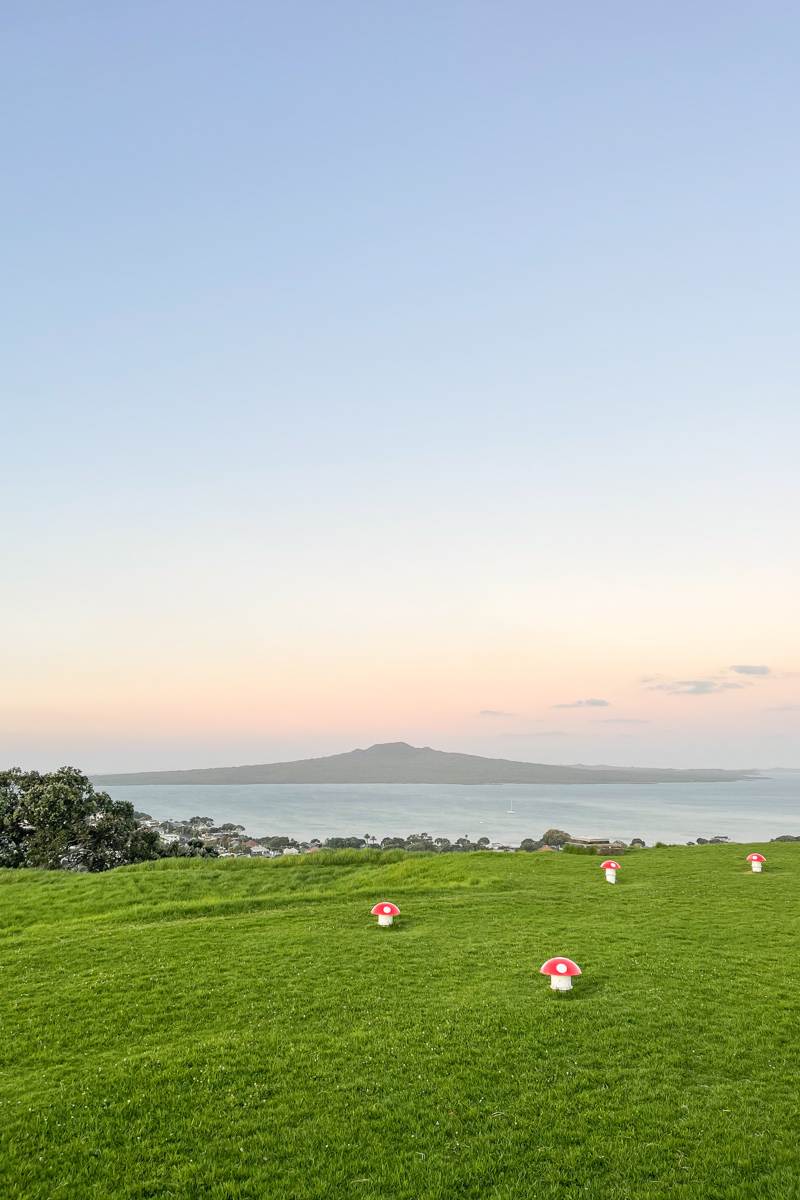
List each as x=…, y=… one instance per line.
x=244, y=1029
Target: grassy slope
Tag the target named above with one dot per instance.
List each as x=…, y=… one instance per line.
x=243, y=1029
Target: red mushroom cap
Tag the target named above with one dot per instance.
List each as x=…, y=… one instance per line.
x=756, y=858
x=559, y=966
x=386, y=909
x=610, y=865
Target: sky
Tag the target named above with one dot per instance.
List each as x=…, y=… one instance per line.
x=379, y=372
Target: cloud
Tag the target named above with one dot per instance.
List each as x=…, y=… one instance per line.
x=783, y=708
x=695, y=687
x=711, y=684
x=622, y=721
x=495, y=712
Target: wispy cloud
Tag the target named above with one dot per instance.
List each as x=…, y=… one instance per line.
x=710, y=685
x=694, y=687
x=622, y=721
x=590, y=703
x=783, y=708
x=495, y=712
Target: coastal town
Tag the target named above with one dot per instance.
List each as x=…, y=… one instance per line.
x=203, y=835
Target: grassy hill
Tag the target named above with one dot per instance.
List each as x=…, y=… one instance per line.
x=243, y=1029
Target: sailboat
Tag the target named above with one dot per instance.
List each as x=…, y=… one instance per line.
x=511, y=803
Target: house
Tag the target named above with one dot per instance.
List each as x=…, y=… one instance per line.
x=169, y=839
x=291, y=850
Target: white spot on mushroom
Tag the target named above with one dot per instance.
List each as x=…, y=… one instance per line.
x=386, y=908
x=561, y=968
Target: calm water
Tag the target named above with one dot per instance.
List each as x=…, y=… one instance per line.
x=678, y=812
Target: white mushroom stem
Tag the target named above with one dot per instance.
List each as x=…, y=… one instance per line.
x=611, y=875
x=560, y=983
x=756, y=866
x=383, y=919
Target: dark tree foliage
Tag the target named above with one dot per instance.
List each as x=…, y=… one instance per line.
x=555, y=837
x=393, y=843
x=58, y=821
x=194, y=848
x=279, y=843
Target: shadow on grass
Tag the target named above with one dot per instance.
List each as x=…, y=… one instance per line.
x=393, y=930
x=584, y=989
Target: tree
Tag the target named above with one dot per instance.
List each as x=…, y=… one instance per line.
x=419, y=841
x=194, y=848
x=58, y=821
x=14, y=828
x=555, y=837
x=279, y=843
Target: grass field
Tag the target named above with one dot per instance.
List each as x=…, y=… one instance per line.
x=243, y=1028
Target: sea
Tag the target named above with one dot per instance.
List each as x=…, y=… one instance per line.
x=752, y=810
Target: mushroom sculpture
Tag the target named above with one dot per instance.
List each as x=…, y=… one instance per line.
x=561, y=971
x=756, y=861
x=386, y=912
x=611, y=867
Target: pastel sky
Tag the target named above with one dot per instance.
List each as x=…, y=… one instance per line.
x=377, y=371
